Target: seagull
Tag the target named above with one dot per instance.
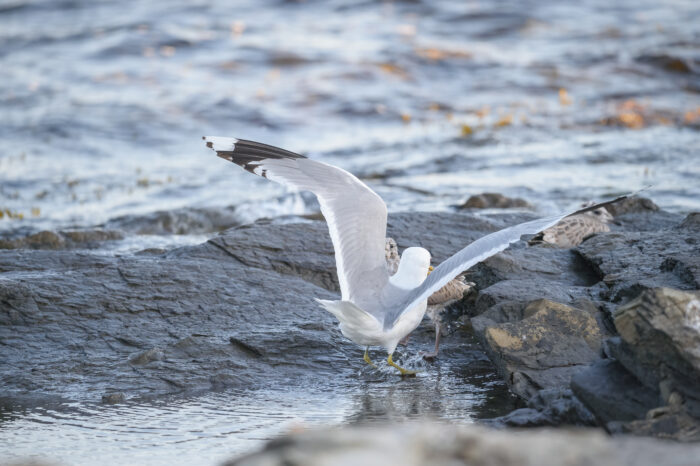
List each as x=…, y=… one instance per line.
x=375, y=308
x=454, y=291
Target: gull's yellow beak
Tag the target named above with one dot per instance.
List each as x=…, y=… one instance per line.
x=430, y=269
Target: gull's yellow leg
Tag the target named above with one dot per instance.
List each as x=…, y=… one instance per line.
x=367, y=359
x=401, y=369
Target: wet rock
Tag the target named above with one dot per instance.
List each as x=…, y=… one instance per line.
x=493, y=201
x=691, y=222
x=641, y=214
x=549, y=407
x=653, y=385
x=151, y=252
x=511, y=280
x=660, y=331
x=519, y=275
x=287, y=248
x=443, y=234
x=177, y=222
x=667, y=62
x=77, y=239
x=630, y=262
x=236, y=311
x=667, y=424
x=41, y=240
x=144, y=357
x=72, y=321
x=543, y=350
x=439, y=444
x=612, y=393
x=192, y=220
x=635, y=204
x=660, y=344
x=113, y=398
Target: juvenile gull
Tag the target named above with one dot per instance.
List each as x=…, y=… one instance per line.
x=376, y=308
x=572, y=230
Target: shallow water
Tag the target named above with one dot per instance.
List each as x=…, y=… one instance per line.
x=210, y=428
x=103, y=104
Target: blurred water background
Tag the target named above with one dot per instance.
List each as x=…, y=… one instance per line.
x=103, y=105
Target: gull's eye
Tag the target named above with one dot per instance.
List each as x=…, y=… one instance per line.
x=597, y=212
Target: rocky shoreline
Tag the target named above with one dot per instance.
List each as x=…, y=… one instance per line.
x=604, y=334
x=562, y=327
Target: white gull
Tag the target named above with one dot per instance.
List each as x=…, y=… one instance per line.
x=375, y=308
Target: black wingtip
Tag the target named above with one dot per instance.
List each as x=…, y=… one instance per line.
x=248, y=154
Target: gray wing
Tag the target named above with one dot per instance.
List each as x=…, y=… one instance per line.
x=355, y=214
x=479, y=250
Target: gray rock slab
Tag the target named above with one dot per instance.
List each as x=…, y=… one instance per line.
x=612, y=393
x=548, y=407
x=80, y=326
x=630, y=262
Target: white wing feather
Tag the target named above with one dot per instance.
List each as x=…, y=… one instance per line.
x=355, y=214
x=479, y=250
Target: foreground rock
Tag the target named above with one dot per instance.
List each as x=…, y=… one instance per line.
x=439, y=444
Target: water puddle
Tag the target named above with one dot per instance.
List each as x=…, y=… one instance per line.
x=210, y=428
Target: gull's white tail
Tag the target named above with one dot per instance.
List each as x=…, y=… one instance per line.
x=358, y=325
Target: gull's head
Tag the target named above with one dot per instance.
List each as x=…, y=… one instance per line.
x=601, y=213
x=413, y=268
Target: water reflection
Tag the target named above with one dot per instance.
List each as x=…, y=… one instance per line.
x=211, y=427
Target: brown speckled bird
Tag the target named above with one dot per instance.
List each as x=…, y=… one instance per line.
x=571, y=231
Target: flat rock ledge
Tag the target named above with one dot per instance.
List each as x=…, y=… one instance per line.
x=236, y=311
x=440, y=444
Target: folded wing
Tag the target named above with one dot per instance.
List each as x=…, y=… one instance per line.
x=355, y=214
x=479, y=250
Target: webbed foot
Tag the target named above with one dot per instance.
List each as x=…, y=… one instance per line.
x=401, y=369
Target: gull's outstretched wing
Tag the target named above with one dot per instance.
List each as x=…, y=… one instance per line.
x=355, y=214
x=479, y=250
